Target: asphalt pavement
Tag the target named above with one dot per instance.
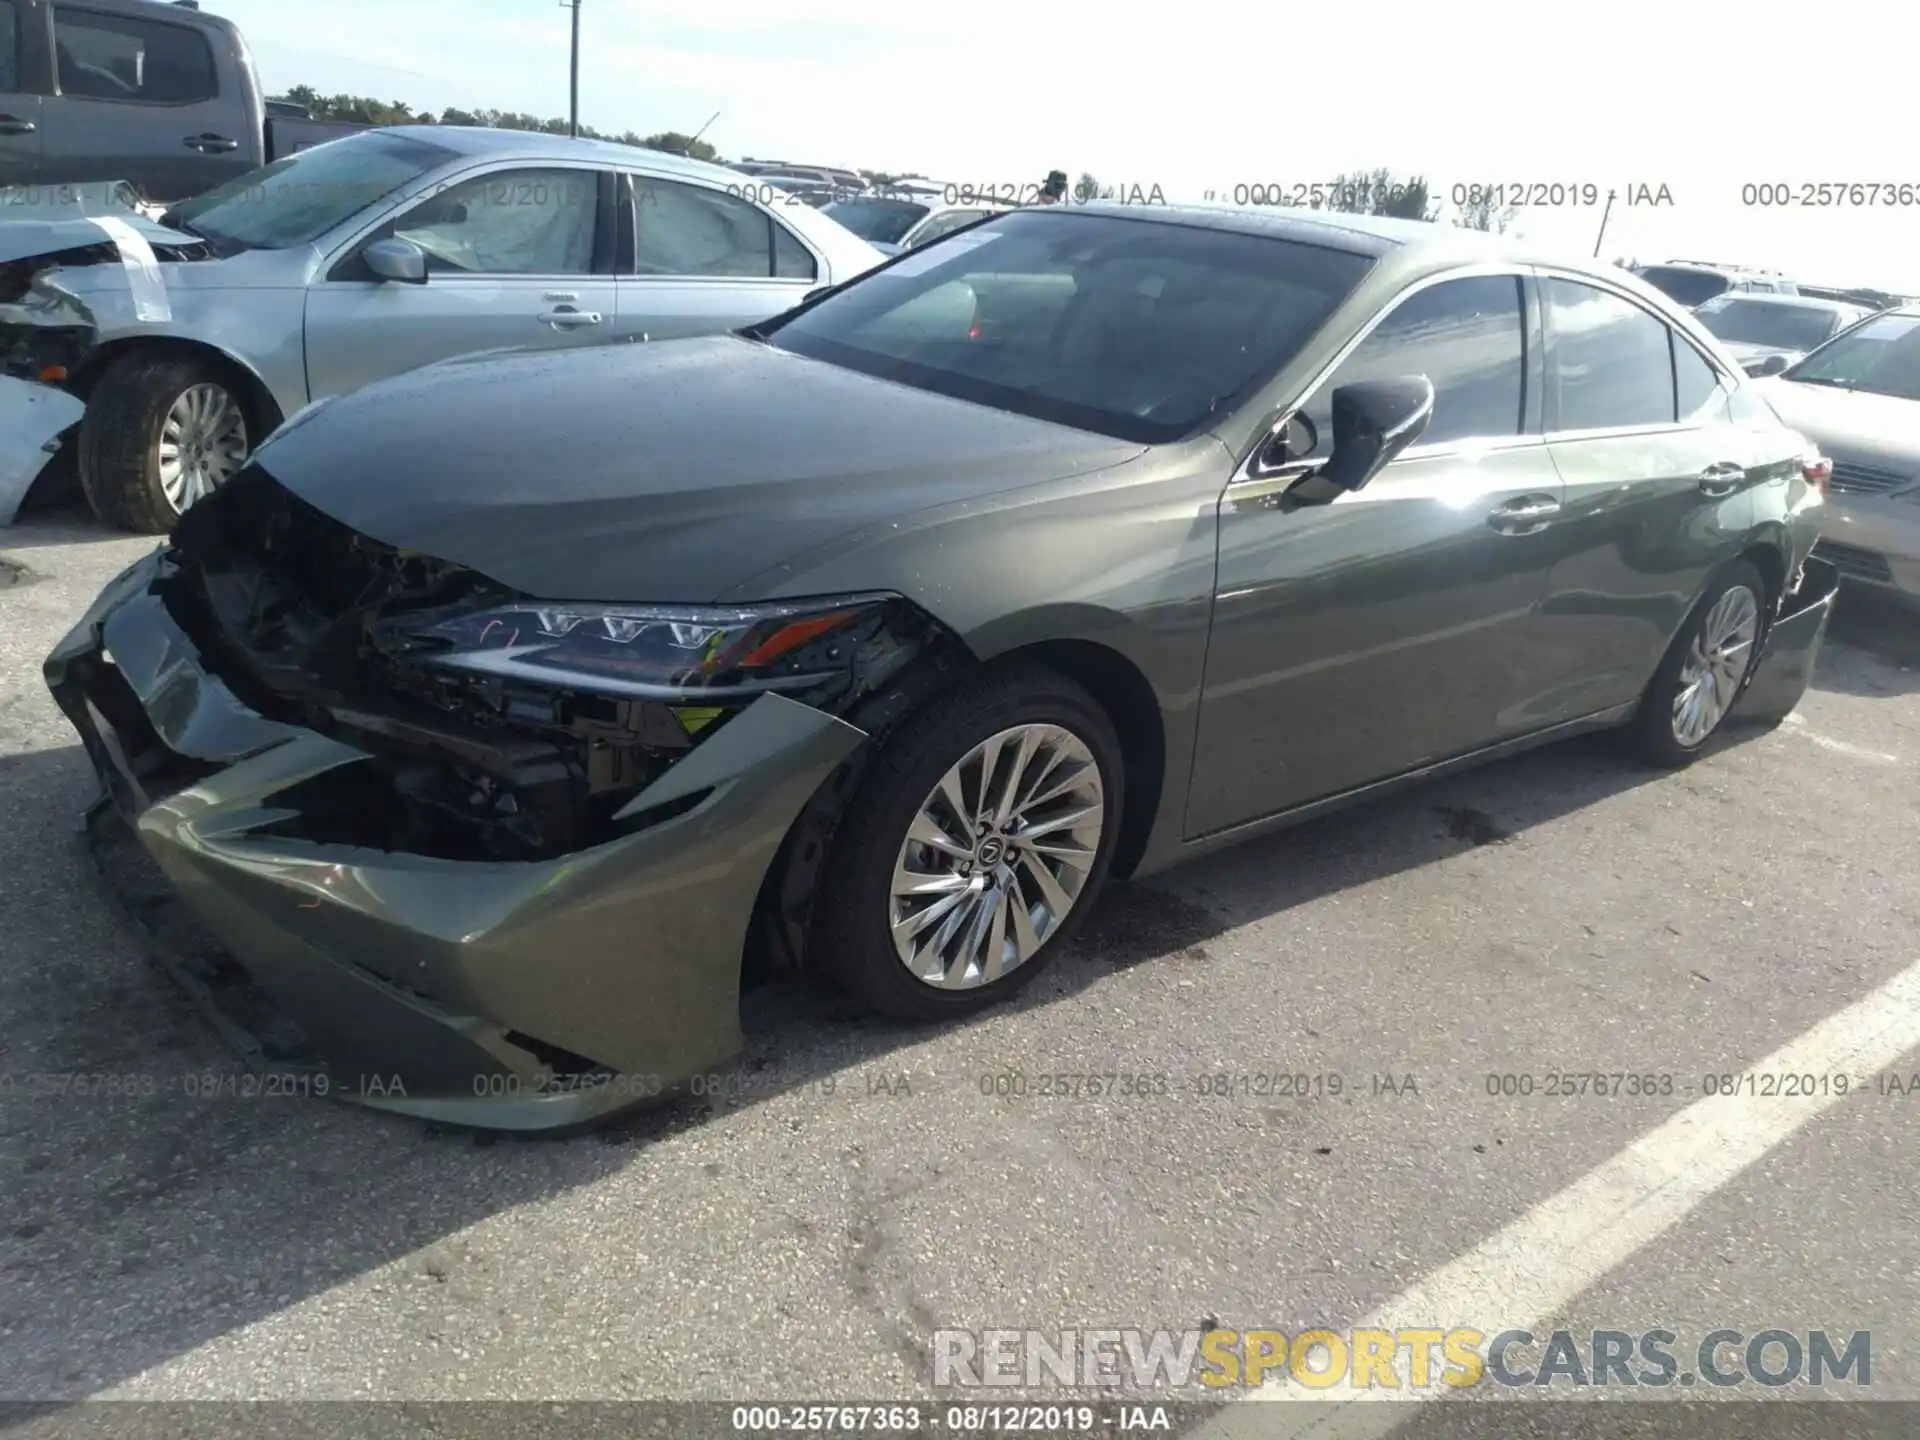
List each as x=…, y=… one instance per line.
x=855, y=1187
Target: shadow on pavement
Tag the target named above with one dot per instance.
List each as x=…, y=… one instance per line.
x=1873, y=645
x=146, y=1216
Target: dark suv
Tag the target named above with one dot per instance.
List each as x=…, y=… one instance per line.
x=1693, y=282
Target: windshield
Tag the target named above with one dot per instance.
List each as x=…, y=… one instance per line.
x=1137, y=329
x=1689, y=287
x=1755, y=322
x=945, y=224
x=880, y=221
x=1881, y=355
x=297, y=200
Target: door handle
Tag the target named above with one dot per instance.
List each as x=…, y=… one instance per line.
x=1524, y=515
x=210, y=144
x=14, y=125
x=567, y=318
x=1722, y=479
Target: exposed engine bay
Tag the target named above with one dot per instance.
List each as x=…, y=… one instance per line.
x=314, y=624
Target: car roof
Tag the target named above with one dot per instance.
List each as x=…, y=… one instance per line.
x=484, y=140
x=1374, y=235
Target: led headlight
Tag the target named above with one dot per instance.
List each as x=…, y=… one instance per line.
x=660, y=652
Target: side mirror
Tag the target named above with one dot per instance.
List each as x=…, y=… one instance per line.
x=1772, y=365
x=401, y=261
x=1373, y=421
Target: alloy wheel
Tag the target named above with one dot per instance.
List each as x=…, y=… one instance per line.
x=1716, y=663
x=997, y=856
x=203, y=441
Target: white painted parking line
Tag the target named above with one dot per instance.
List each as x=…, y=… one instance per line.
x=1840, y=747
x=1528, y=1273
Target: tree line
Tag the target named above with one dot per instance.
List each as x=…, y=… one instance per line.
x=1368, y=192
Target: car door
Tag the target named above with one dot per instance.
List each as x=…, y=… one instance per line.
x=699, y=259
x=1363, y=638
x=20, y=132
x=138, y=98
x=1658, y=478
x=518, y=257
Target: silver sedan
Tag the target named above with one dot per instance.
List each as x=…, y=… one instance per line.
x=377, y=253
x=1858, y=398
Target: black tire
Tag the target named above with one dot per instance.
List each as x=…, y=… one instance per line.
x=851, y=941
x=120, y=436
x=1651, y=731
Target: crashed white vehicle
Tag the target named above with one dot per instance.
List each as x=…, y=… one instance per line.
x=172, y=346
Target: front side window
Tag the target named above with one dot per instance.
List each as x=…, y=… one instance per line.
x=296, y=200
x=689, y=230
x=1881, y=355
x=1138, y=329
x=1612, y=361
x=1468, y=337
x=128, y=58
x=512, y=222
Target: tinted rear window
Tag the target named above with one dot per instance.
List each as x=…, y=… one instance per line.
x=884, y=221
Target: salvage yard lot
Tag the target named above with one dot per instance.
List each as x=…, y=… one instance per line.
x=851, y=1188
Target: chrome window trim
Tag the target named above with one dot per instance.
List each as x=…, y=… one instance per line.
x=1488, y=270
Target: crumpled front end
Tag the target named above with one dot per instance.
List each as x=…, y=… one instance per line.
x=49, y=327
x=480, y=894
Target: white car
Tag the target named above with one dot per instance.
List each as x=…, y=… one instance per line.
x=944, y=221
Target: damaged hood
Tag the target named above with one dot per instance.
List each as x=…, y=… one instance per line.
x=651, y=472
x=22, y=237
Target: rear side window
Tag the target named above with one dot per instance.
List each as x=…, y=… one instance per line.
x=1697, y=389
x=1612, y=361
x=131, y=59
x=688, y=230
x=9, y=47
x=1466, y=336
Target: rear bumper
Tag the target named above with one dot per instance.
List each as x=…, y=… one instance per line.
x=1791, y=649
x=522, y=995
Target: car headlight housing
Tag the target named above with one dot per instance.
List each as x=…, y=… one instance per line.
x=670, y=653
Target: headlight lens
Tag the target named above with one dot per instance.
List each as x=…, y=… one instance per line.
x=663, y=652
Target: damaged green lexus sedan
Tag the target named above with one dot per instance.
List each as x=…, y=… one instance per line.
x=492, y=713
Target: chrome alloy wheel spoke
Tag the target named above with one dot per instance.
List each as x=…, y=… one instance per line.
x=997, y=856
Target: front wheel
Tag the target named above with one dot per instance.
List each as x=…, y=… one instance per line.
x=1704, y=671
x=160, y=432
x=974, y=847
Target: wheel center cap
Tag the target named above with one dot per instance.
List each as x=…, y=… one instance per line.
x=991, y=850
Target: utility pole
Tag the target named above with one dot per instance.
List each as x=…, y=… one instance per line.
x=573, y=77
x=1599, y=239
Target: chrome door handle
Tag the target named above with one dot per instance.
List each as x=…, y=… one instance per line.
x=14, y=125
x=1722, y=479
x=211, y=144
x=1524, y=515
x=566, y=318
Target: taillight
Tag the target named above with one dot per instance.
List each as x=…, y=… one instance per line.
x=1816, y=469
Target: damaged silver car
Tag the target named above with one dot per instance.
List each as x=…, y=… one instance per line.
x=189, y=338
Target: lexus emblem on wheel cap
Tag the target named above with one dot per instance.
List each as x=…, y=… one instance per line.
x=991, y=849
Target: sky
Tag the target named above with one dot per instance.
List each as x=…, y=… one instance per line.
x=1698, y=99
